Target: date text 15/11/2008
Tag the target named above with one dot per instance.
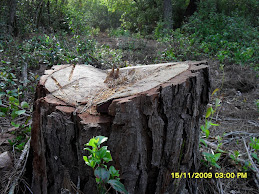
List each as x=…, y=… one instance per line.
x=198, y=175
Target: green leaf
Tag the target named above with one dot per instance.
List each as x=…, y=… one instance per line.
x=24, y=104
x=216, y=165
x=202, y=141
x=209, y=112
x=85, y=159
x=254, y=155
x=2, y=114
x=11, y=142
x=93, y=143
x=214, y=124
x=4, y=109
x=206, y=154
x=102, y=173
x=98, y=180
x=207, y=133
x=101, y=153
x=14, y=124
x=96, y=160
x=236, y=153
x=89, y=161
x=14, y=100
x=114, y=172
x=19, y=112
x=220, y=150
x=107, y=157
x=207, y=124
x=101, y=139
x=205, y=130
x=118, y=186
x=217, y=156
x=91, y=151
x=254, y=143
x=217, y=89
x=13, y=114
x=233, y=157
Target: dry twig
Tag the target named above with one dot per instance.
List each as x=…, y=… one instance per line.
x=252, y=163
x=19, y=169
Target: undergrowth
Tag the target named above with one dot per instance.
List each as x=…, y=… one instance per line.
x=230, y=39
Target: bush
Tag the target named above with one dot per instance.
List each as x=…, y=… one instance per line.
x=210, y=33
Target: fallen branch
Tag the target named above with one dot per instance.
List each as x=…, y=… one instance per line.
x=241, y=133
x=252, y=162
x=251, y=122
x=18, y=171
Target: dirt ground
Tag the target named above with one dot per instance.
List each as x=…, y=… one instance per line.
x=238, y=117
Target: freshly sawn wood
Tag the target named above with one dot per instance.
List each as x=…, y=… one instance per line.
x=149, y=113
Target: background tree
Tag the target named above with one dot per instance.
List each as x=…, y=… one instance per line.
x=191, y=8
x=12, y=25
x=168, y=14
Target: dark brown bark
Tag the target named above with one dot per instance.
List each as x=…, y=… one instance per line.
x=151, y=133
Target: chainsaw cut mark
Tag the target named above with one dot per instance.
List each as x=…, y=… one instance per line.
x=71, y=72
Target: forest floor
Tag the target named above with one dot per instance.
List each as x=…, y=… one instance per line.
x=238, y=117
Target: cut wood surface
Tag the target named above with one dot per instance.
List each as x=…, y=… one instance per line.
x=149, y=113
x=81, y=84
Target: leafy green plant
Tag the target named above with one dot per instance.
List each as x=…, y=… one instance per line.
x=255, y=145
x=108, y=56
x=22, y=136
x=96, y=160
x=212, y=158
x=235, y=156
x=209, y=115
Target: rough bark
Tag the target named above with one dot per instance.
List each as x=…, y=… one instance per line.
x=152, y=132
x=39, y=12
x=168, y=14
x=12, y=26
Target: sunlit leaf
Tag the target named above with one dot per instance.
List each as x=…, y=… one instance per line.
x=93, y=142
x=20, y=112
x=14, y=124
x=209, y=112
x=217, y=89
x=101, y=139
x=24, y=104
x=217, y=156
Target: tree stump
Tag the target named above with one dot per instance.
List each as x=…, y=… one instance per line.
x=149, y=113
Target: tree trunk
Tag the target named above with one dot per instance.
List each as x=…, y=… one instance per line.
x=168, y=14
x=192, y=7
x=12, y=26
x=149, y=113
x=39, y=13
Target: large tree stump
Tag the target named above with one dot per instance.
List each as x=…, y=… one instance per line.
x=149, y=113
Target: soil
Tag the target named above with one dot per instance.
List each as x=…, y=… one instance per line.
x=238, y=116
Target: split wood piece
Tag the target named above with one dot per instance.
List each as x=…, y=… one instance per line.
x=149, y=113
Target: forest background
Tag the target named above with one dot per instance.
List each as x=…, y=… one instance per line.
x=37, y=34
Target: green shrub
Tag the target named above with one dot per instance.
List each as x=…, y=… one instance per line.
x=97, y=158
